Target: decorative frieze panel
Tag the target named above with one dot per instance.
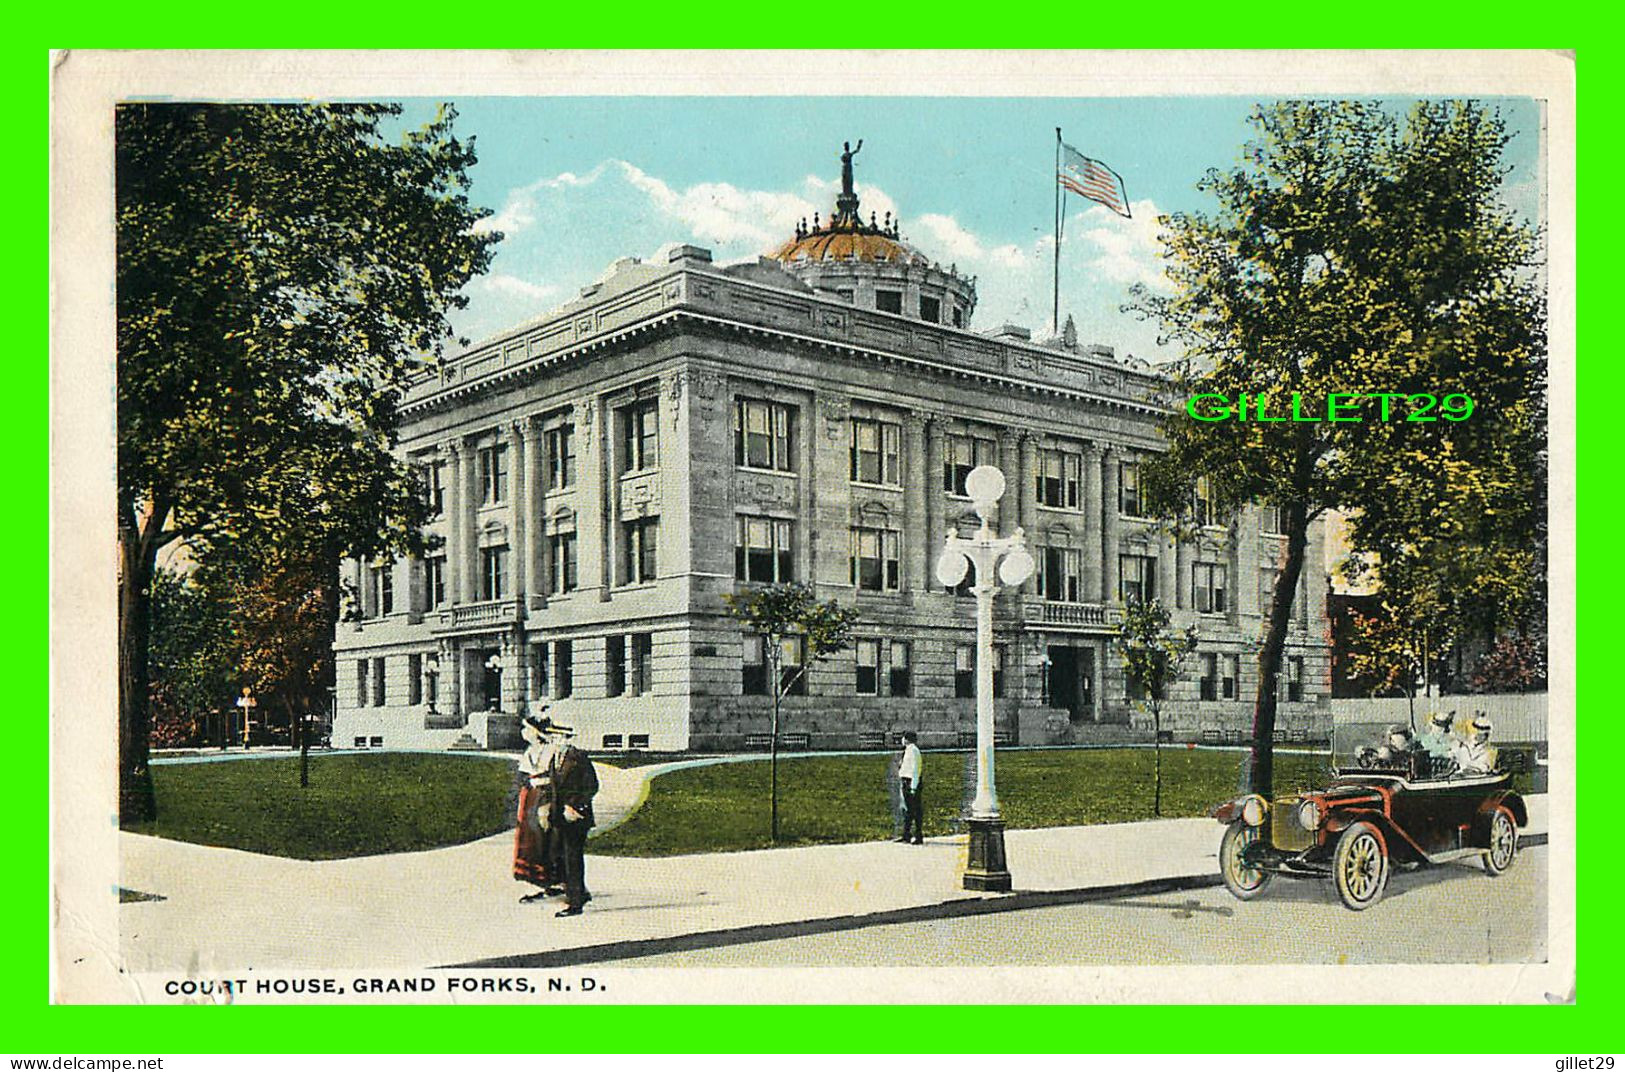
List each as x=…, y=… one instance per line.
x=760, y=490
x=640, y=496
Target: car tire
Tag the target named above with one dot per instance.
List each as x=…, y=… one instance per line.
x=1244, y=882
x=1503, y=842
x=1360, y=866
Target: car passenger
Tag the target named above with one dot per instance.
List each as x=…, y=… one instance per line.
x=1476, y=755
x=1438, y=741
x=1402, y=752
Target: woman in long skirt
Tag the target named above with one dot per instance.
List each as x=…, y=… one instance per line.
x=532, y=861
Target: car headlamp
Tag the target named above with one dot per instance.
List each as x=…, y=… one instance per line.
x=1253, y=810
x=1309, y=814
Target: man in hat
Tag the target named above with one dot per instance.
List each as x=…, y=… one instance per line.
x=1401, y=751
x=1475, y=755
x=908, y=776
x=572, y=785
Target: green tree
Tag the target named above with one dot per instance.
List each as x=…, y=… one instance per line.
x=190, y=658
x=1152, y=656
x=784, y=613
x=1359, y=253
x=281, y=271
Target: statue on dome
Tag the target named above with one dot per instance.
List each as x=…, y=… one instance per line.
x=846, y=166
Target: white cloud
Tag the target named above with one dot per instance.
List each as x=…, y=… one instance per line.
x=511, y=286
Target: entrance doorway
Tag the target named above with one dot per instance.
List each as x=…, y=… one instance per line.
x=1071, y=680
x=487, y=679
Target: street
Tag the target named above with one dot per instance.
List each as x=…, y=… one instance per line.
x=1450, y=914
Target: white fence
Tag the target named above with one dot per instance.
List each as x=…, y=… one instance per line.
x=1517, y=716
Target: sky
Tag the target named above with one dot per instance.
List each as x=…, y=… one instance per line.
x=578, y=182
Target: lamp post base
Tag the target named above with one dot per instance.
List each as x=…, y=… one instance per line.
x=986, y=868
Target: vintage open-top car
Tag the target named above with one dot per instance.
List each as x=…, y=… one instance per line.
x=1379, y=809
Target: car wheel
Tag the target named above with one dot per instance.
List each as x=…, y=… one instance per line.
x=1243, y=881
x=1503, y=842
x=1360, y=866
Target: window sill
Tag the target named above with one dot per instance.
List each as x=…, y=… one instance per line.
x=756, y=471
x=633, y=474
x=636, y=586
x=875, y=487
x=1078, y=510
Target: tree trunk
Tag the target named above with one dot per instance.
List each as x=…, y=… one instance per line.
x=1156, y=748
x=773, y=749
x=136, y=799
x=1262, y=776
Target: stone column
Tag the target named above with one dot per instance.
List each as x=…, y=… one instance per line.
x=674, y=555
x=591, y=496
x=451, y=678
x=1184, y=558
x=609, y=486
x=1167, y=569
x=1094, y=563
x=1109, y=458
x=520, y=445
x=1314, y=573
x=1247, y=564
x=1027, y=486
x=535, y=532
x=472, y=496
x=451, y=513
x=934, y=530
x=920, y=566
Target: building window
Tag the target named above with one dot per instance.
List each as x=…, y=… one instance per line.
x=378, y=691
x=876, y=452
x=361, y=683
x=874, y=559
x=1209, y=682
x=998, y=671
x=762, y=438
x=1059, y=472
x=1129, y=502
x=494, y=474
x=762, y=550
x=538, y=669
x=792, y=679
x=1268, y=578
x=640, y=426
x=868, y=682
x=1060, y=574
x=431, y=685
x=1137, y=578
x=640, y=681
x=930, y=309
x=959, y=316
x=436, y=476
x=1208, y=583
x=563, y=669
x=561, y=562
x=1232, y=677
x=638, y=540
x=889, y=301
x=414, y=679
x=753, y=676
x=1202, y=502
x=965, y=672
x=1272, y=520
x=434, y=580
x=561, y=457
x=615, y=666
x=1294, y=678
x=383, y=590
x=961, y=454
x=902, y=683
x=493, y=572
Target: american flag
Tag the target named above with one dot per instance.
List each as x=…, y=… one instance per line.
x=1094, y=180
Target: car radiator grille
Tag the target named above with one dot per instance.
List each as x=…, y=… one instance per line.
x=1286, y=833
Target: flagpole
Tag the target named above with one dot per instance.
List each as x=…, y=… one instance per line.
x=1060, y=200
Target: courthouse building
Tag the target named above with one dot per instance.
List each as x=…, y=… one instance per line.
x=604, y=475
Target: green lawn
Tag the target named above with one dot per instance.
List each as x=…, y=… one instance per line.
x=356, y=805
x=824, y=799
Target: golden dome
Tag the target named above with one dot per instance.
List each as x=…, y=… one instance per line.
x=841, y=244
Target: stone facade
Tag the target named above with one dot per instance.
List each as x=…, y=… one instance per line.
x=699, y=403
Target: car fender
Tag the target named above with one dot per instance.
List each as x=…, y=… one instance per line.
x=1395, y=840
x=1506, y=798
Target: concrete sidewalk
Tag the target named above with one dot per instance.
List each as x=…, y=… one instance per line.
x=225, y=910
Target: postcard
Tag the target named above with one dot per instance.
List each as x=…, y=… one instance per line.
x=748, y=527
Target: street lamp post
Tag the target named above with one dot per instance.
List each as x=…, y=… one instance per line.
x=994, y=558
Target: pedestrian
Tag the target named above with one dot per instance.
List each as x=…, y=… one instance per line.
x=532, y=860
x=909, y=774
x=572, y=783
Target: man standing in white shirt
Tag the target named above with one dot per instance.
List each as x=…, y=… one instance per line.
x=909, y=771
